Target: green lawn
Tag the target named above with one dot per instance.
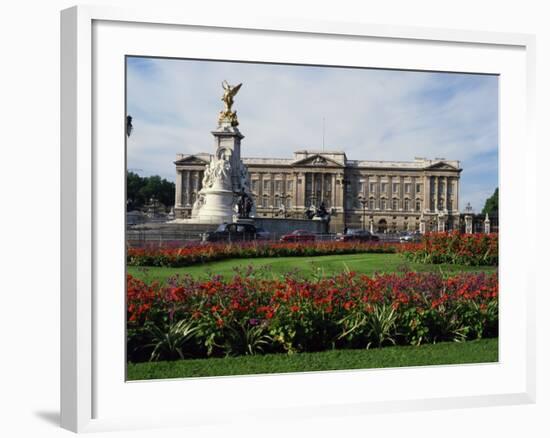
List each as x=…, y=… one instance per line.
x=445, y=353
x=305, y=266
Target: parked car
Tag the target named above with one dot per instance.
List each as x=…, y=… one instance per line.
x=410, y=236
x=358, y=236
x=262, y=234
x=232, y=233
x=298, y=236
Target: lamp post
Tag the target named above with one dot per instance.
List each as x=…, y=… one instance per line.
x=363, y=202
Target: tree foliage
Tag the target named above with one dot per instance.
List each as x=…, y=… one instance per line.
x=491, y=204
x=139, y=190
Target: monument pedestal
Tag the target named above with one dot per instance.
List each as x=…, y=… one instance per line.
x=225, y=178
x=217, y=207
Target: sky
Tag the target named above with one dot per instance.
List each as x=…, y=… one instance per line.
x=371, y=114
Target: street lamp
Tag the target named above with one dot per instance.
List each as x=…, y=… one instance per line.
x=363, y=202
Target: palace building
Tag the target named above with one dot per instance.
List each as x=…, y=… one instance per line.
x=383, y=196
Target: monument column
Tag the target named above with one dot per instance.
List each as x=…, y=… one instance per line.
x=338, y=185
x=401, y=193
x=445, y=192
x=427, y=181
x=455, y=197
x=188, y=187
x=436, y=190
x=178, y=188
x=226, y=176
x=333, y=190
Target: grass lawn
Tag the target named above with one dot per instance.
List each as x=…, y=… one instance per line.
x=305, y=266
x=445, y=353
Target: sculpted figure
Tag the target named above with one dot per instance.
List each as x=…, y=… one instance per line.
x=199, y=202
x=248, y=205
x=228, y=115
x=244, y=177
x=228, y=94
x=221, y=174
x=208, y=180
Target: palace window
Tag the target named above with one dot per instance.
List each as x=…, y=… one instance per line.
x=372, y=204
x=406, y=204
x=383, y=187
x=395, y=204
x=382, y=204
x=418, y=188
x=265, y=202
x=361, y=187
x=255, y=185
x=395, y=187
x=277, y=202
x=451, y=185
x=288, y=203
x=267, y=185
x=278, y=186
x=372, y=187
x=417, y=205
x=289, y=186
x=407, y=188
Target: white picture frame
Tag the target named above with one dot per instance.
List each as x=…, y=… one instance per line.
x=92, y=386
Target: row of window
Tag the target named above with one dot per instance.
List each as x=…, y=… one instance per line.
x=374, y=187
x=265, y=202
x=383, y=204
x=382, y=187
x=268, y=185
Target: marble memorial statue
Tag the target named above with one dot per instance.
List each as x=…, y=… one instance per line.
x=226, y=181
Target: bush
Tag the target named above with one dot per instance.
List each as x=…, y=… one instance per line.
x=251, y=315
x=455, y=248
x=194, y=254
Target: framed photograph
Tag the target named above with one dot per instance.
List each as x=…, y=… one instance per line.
x=291, y=218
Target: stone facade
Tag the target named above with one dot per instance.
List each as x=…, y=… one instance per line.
x=383, y=196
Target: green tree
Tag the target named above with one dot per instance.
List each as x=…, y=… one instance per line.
x=491, y=204
x=139, y=190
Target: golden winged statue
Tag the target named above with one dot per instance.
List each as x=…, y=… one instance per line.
x=228, y=115
x=229, y=93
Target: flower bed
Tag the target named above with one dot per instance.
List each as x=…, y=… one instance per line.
x=190, y=255
x=251, y=315
x=455, y=248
